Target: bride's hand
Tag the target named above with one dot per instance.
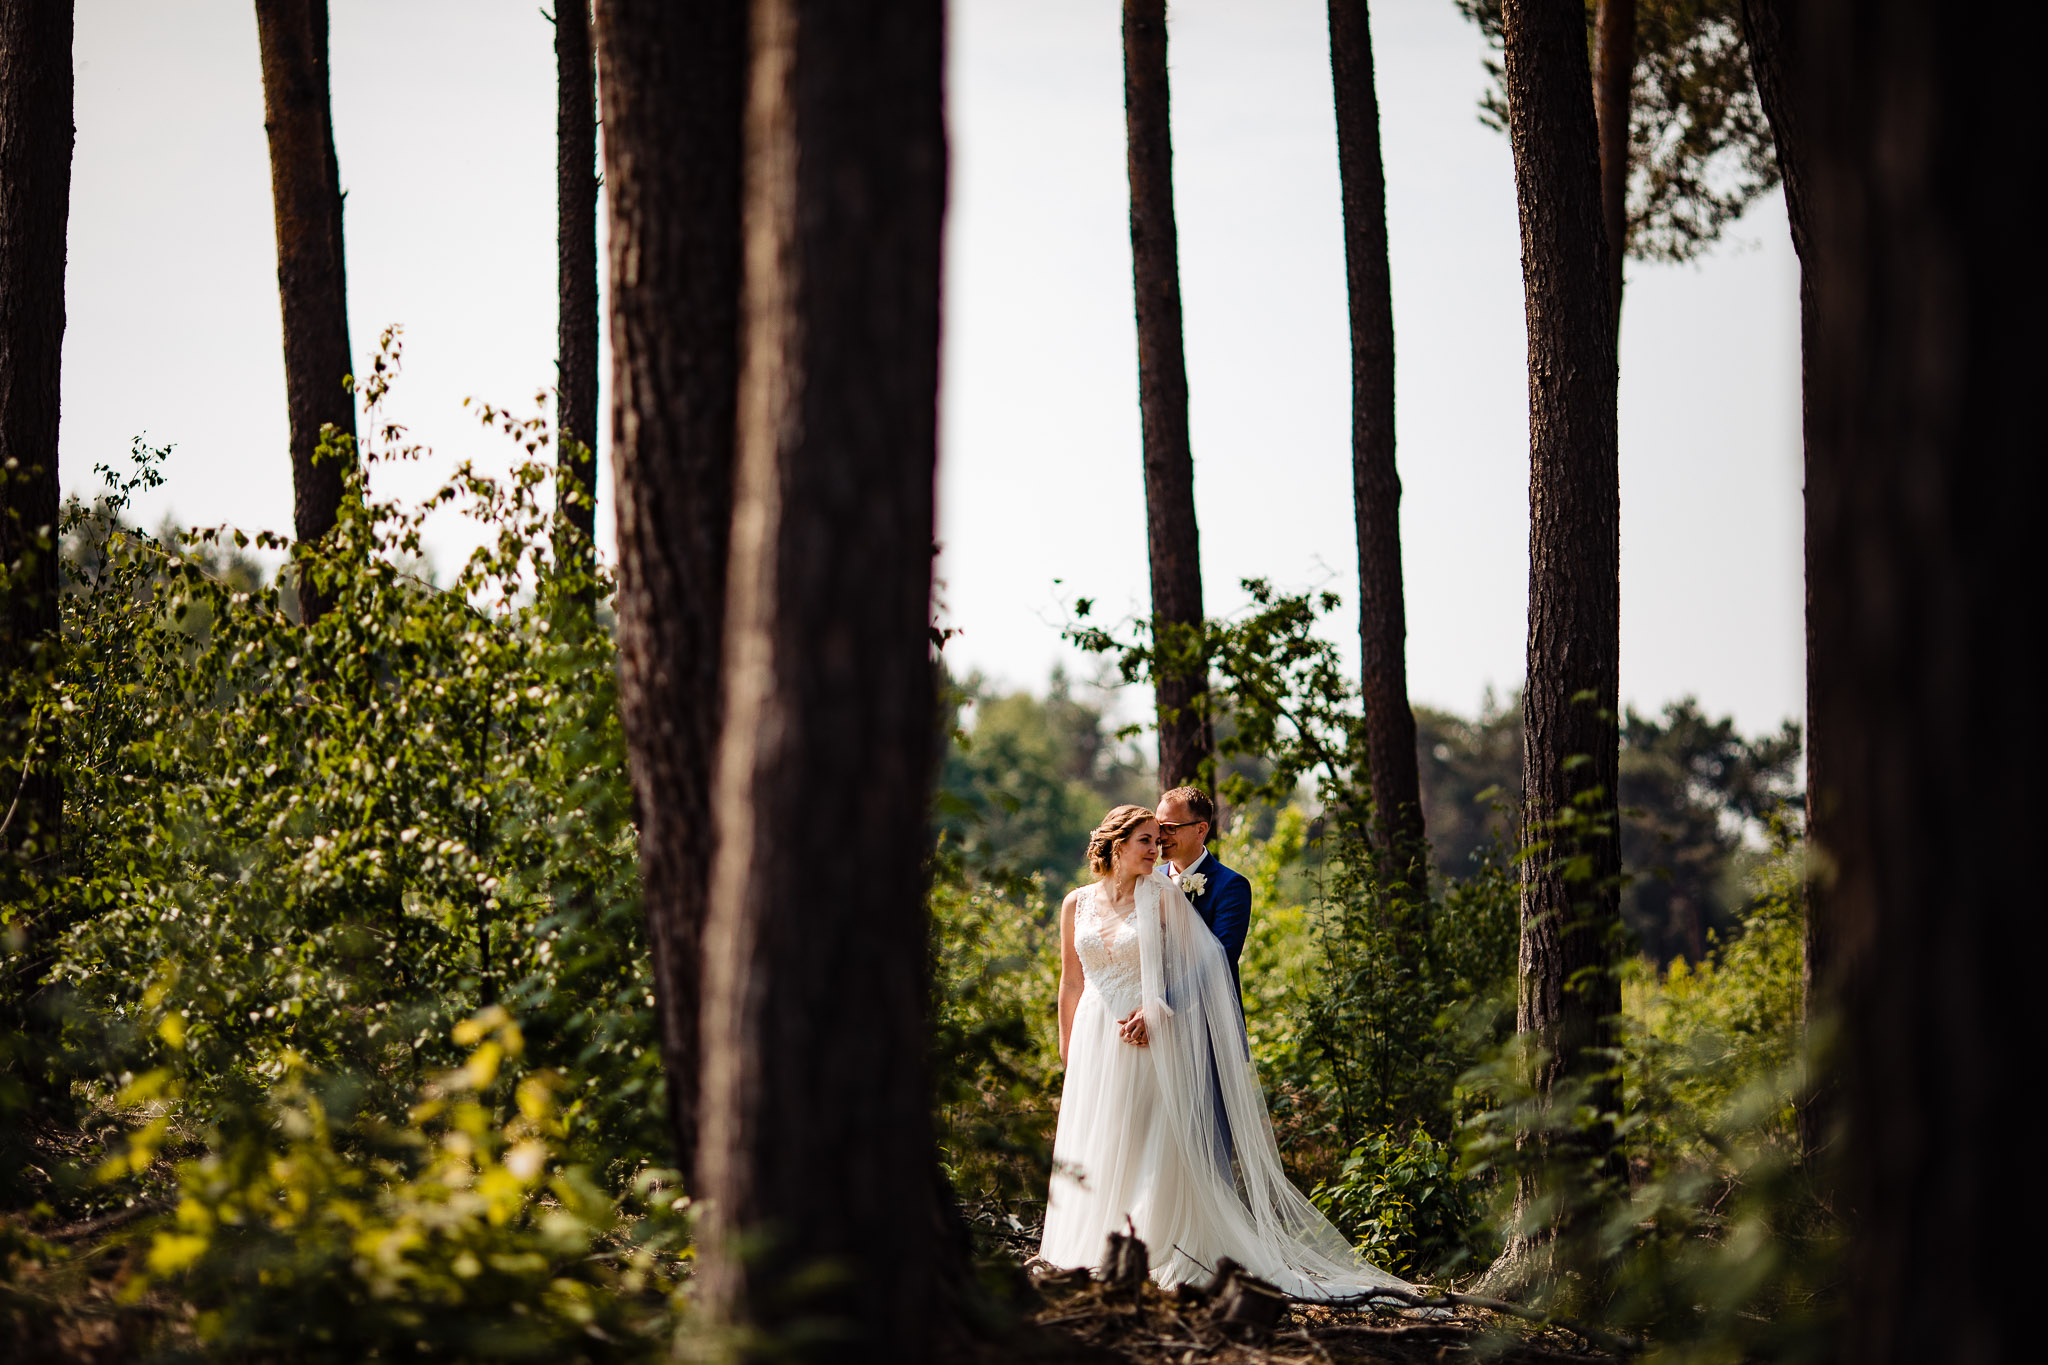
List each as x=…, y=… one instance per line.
x=1131, y=1028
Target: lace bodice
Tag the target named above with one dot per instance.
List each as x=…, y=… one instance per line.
x=1108, y=948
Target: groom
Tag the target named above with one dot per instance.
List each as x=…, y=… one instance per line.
x=1222, y=898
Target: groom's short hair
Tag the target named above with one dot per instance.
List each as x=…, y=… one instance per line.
x=1198, y=803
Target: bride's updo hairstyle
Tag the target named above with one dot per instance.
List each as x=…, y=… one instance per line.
x=1109, y=836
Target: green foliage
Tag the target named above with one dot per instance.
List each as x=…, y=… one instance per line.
x=336, y=840
x=1408, y=994
x=1026, y=778
x=1471, y=777
x=1703, y=1231
x=1408, y=1206
x=995, y=1044
x=1723, y=1250
x=303, y=856
x=1279, y=699
x=1706, y=1039
x=1695, y=795
x=459, y=1234
x=1697, y=803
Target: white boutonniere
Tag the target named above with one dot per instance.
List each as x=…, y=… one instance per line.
x=1191, y=884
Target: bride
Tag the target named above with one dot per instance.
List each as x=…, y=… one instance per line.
x=1162, y=1121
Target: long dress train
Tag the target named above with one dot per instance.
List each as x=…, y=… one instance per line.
x=1175, y=1136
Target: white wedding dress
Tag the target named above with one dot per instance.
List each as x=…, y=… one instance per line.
x=1175, y=1136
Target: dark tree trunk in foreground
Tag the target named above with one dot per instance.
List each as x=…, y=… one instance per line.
x=1614, y=69
x=818, y=1150
x=35, y=207
x=1771, y=30
x=674, y=86
x=1924, y=490
x=1180, y=677
x=1375, y=481
x=576, y=284
x=305, y=187
x=1571, y=744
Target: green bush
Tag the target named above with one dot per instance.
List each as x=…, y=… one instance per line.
x=459, y=1234
x=336, y=840
x=1406, y=1203
x=301, y=859
x=995, y=1046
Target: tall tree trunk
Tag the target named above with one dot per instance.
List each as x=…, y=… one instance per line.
x=1923, y=490
x=1614, y=69
x=305, y=187
x=1180, y=676
x=818, y=1149
x=674, y=88
x=1571, y=744
x=576, y=285
x=1375, y=481
x=1771, y=30
x=35, y=208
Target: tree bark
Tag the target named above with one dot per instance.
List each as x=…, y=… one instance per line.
x=1614, y=71
x=312, y=288
x=576, y=284
x=35, y=208
x=1771, y=31
x=1375, y=480
x=1923, y=501
x=1180, y=676
x=818, y=1150
x=1571, y=743
x=674, y=89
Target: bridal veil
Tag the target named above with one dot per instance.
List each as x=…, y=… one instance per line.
x=1236, y=1199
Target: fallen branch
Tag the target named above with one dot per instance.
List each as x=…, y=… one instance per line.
x=107, y=1222
x=1407, y=1298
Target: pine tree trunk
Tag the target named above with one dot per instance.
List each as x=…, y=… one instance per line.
x=35, y=208
x=1614, y=69
x=1180, y=677
x=305, y=186
x=1771, y=30
x=818, y=1147
x=1571, y=744
x=1375, y=480
x=1923, y=496
x=576, y=284
x=673, y=84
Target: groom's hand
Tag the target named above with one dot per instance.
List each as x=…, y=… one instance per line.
x=1132, y=1028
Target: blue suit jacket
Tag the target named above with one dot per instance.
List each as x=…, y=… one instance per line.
x=1225, y=905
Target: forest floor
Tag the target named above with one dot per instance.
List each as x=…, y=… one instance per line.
x=1097, y=1321
x=84, y=1318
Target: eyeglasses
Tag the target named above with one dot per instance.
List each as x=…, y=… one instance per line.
x=1166, y=828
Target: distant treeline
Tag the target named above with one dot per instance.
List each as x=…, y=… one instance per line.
x=1027, y=775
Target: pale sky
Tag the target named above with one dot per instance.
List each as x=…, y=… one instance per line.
x=444, y=114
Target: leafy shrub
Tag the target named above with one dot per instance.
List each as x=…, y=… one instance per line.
x=301, y=857
x=335, y=840
x=995, y=1049
x=1406, y=1203
x=1709, y=1237
x=459, y=1234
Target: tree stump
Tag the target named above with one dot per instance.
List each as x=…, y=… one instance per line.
x=1243, y=1300
x=1125, y=1262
